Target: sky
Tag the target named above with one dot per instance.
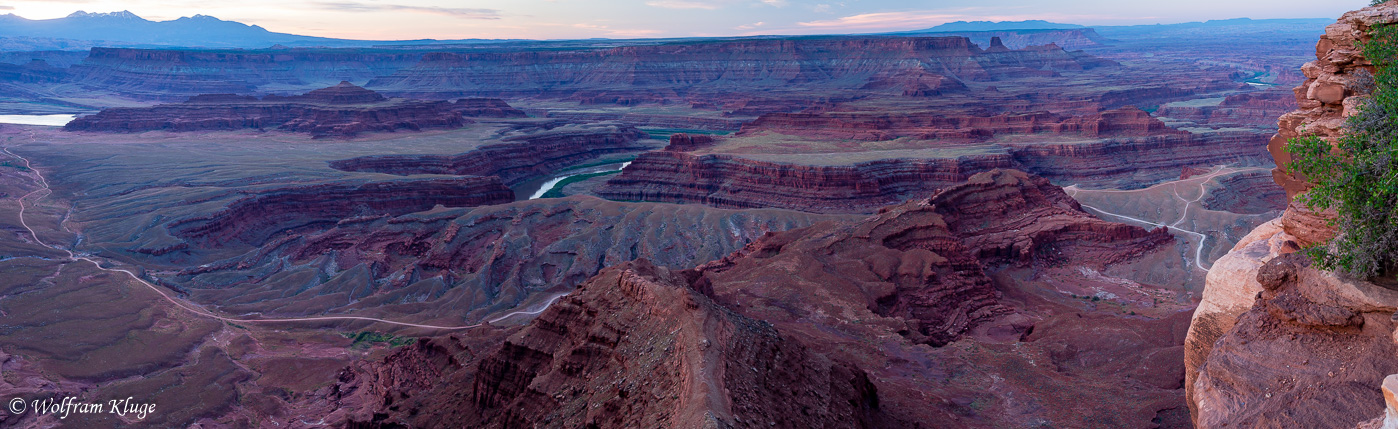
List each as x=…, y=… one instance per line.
x=577, y=19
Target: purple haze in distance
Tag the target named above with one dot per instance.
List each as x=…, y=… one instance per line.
x=576, y=19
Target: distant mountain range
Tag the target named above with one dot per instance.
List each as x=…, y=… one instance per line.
x=1308, y=28
x=966, y=26
x=83, y=30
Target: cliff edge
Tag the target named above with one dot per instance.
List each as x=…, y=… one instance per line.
x=1278, y=343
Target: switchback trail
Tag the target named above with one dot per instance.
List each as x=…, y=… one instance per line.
x=192, y=308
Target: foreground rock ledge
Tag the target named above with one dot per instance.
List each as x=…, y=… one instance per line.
x=1274, y=342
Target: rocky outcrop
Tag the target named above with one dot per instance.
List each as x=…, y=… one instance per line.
x=646, y=119
x=465, y=264
x=892, y=321
x=35, y=71
x=1312, y=351
x=735, y=182
x=1389, y=419
x=1275, y=342
x=942, y=271
x=1122, y=122
x=634, y=73
x=1229, y=290
x=486, y=108
x=636, y=346
x=1028, y=214
x=1249, y=109
x=916, y=82
x=1336, y=84
x=1070, y=38
x=1137, y=162
x=514, y=158
x=171, y=75
x=342, y=110
x=263, y=213
x=929, y=255
x=724, y=180
x=684, y=142
x=1252, y=192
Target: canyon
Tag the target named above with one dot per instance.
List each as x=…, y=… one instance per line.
x=972, y=229
x=752, y=169
x=342, y=110
x=1264, y=300
x=738, y=326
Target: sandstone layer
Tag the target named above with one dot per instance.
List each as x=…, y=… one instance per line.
x=35, y=71
x=341, y=110
x=515, y=157
x=1337, y=83
x=729, y=181
x=1337, y=337
x=917, y=310
x=1276, y=342
x=1121, y=122
x=463, y=264
x=1246, y=110
x=635, y=347
x=1249, y=193
x=739, y=180
x=1073, y=38
x=257, y=217
x=628, y=74
x=171, y=74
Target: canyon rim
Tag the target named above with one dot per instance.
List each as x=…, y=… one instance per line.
x=972, y=224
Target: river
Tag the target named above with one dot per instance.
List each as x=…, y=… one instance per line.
x=46, y=120
x=535, y=189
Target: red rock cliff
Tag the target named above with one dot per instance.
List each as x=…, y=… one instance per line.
x=1275, y=342
x=891, y=321
x=342, y=110
x=255, y=218
x=724, y=180
x=515, y=158
x=717, y=67
x=634, y=347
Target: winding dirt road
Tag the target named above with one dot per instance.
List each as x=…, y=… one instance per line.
x=1199, y=249
x=192, y=308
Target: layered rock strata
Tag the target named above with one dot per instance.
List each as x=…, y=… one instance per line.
x=1249, y=109
x=35, y=71
x=731, y=180
x=1074, y=38
x=1336, y=85
x=172, y=75
x=1121, y=122
x=1253, y=192
x=1337, y=337
x=463, y=264
x=648, y=120
x=341, y=110
x=621, y=73
x=892, y=321
x=997, y=216
x=515, y=158
x=1276, y=342
x=486, y=108
x=684, y=142
x=635, y=347
x=952, y=270
x=266, y=212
